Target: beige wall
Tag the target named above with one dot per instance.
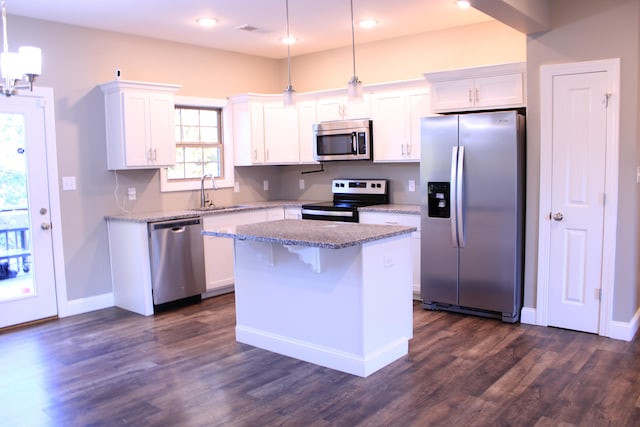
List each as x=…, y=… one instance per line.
x=590, y=30
x=77, y=60
x=408, y=58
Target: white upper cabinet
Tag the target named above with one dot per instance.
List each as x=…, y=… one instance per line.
x=264, y=132
x=396, y=124
x=140, y=126
x=307, y=117
x=248, y=130
x=338, y=108
x=480, y=88
x=280, y=134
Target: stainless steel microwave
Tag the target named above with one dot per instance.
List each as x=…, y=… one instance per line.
x=343, y=140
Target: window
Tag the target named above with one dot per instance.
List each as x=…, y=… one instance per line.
x=200, y=146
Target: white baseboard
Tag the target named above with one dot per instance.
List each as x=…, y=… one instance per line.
x=625, y=330
x=528, y=315
x=360, y=365
x=84, y=305
x=617, y=330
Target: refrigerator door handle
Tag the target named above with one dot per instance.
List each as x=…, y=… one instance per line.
x=453, y=198
x=459, y=194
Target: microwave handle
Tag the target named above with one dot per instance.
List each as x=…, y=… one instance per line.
x=354, y=142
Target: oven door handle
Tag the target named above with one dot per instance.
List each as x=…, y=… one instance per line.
x=320, y=212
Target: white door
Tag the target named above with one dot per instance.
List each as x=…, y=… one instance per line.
x=579, y=137
x=27, y=291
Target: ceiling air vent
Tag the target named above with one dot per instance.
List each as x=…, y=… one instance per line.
x=251, y=29
x=247, y=27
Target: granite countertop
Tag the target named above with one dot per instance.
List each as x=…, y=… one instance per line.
x=311, y=233
x=194, y=213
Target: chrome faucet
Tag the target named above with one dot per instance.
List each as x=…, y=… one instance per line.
x=203, y=197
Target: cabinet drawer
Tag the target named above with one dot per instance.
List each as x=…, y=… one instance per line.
x=409, y=220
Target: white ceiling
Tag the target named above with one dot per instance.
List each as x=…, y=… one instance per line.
x=318, y=24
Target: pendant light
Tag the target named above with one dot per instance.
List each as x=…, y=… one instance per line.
x=289, y=94
x=354, y=87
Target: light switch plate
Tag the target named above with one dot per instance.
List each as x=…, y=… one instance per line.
x=236, y=187
x=265, y=185
x=301, y=184
x=68, y=183
x=412, y=185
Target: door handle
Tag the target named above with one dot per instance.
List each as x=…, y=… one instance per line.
x=45, y=225
x=459, y=196
x=453, y=199
x=557, y=216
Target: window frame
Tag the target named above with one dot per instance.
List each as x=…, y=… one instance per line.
x=228, y=169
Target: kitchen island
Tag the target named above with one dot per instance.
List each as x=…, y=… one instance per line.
x=334, y=294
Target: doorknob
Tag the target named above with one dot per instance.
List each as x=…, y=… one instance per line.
x=45, y=225
x=557, y=216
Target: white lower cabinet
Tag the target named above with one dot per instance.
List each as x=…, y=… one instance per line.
x=218, y=251
x=292, y=212
x=130, y=266
x=410, y=220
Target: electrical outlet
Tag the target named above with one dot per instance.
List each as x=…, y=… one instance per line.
x=301, y=184
x=265, y=185
x=638, y=175
x=236, y=187
x=131, y=191
x=412, y=185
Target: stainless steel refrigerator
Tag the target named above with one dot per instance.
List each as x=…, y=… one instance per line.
x=472, y=213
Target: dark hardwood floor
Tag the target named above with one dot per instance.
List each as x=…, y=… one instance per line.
x=184, y=368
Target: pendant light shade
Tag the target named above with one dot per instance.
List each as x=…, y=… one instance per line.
x=354, y=87
x=289, y=94
x=18, y=69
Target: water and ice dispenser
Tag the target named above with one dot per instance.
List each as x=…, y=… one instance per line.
x=439, y=194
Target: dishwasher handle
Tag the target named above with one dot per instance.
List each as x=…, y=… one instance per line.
x=174, y=225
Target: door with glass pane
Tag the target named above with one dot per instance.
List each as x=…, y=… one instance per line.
x=27, y=282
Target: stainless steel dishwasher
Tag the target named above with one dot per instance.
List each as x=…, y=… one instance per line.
x=177, y=260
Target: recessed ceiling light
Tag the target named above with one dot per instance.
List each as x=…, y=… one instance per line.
x=463, y=4
x=368, y=23
x=288, y=40
x=207, y=22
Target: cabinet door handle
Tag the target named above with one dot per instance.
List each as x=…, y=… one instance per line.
x=408, y=149
x=155, y=154
x=267, y=153
x=477, y=95
x=470, y=96
x=402, y=149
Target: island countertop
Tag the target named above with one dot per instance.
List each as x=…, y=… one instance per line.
x=312, y=233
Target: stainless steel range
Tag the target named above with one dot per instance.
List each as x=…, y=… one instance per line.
x=348, y=196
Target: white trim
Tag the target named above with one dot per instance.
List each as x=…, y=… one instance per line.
x=85, y=305
x=547, y=72
x=229, y=178
x=624, y=330
x=528, y=315
x=46, y=95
